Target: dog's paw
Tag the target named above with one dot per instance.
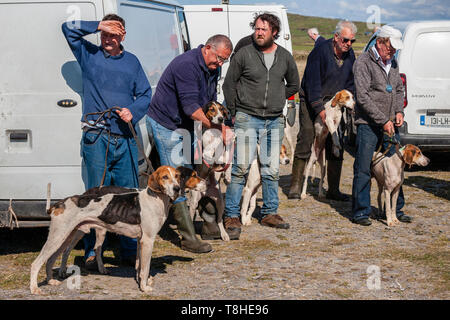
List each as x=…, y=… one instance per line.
x=54, y=282
x=246, y=221
x=103, y=270
x=303, y=196
x=146, y=289
x=225, y=236
x=36, y=290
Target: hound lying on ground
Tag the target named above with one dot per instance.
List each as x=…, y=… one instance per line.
x=135, y=214
x=388, y=171
x=252, y=185
x=333, y=112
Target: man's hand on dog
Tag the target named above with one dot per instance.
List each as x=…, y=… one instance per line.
x=125, y=114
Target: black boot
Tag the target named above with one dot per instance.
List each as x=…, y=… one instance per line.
x=298, y=168
x=189, y=240
x=334, y=168
x=208, y=212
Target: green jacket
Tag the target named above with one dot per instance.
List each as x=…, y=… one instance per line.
x=250, y=88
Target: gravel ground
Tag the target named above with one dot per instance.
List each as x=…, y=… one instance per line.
x=322, y=256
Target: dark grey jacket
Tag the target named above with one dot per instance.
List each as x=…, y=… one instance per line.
x=250, y=88
x=375, y=105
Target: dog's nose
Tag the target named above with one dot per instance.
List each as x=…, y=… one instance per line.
x=220, y=119
x=176, y=188
x=287, y=161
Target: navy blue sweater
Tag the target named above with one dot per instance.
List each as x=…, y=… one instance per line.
x=323, y=78
x=108, y=81
x=185, y=86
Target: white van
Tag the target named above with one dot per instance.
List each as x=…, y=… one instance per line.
x=424, y=66
x=40, y=91
x=204, y=21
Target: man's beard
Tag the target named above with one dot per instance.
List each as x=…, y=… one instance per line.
x=265, y=44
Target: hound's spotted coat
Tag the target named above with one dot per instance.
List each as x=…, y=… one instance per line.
x=133, y=213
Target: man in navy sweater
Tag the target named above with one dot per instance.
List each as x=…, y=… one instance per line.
x=188, y=83
x=328, y=70
x=112, y=77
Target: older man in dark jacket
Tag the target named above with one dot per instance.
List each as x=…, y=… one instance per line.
x=378, y=113
x=328, y=70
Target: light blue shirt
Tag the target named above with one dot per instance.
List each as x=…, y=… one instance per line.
x=387, y=66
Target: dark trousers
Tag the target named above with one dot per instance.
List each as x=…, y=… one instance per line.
x=368, y=139
x=305, y=136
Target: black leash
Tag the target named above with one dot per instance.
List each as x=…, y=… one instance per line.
x=108, y=112
x=392, y=141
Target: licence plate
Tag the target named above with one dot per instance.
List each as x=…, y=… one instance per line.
x=435, y=121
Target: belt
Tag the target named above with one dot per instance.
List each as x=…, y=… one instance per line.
x=103, y=131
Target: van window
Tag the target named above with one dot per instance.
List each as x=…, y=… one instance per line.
x=430, y=57
x=152, y=35
x=184, y=31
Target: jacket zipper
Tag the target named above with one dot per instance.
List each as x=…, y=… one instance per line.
x=267, y=82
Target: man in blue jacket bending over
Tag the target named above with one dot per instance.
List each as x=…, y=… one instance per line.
x=112, y=77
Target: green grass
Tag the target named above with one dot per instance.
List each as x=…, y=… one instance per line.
x=299, y=25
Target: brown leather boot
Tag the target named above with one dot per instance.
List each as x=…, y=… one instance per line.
x=298, y=168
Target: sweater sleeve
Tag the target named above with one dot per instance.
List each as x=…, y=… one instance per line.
x=292, y=78
x=187, y=82
x=399, y=94
x=74, y=31
x=362, y=87
x=230, y=83
x=312, y=81
x=143, y=93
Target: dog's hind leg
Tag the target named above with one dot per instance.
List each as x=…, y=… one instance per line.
x=63, y=268
x=322, y=165
x=394, y=197
x=387, y=203
x=309, y=165
x=51, y=261
x=56, y=236
x=100, y=234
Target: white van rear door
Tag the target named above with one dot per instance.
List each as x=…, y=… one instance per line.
x=426, y=64
x=39, y=138
x=153, y=35
x=205, y=21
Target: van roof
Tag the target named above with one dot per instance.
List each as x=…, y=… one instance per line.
x=402, y=25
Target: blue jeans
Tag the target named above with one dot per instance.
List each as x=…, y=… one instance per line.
x=251, y=131
x=122, y=170
x=368, y=139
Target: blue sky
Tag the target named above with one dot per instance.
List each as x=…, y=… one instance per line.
x=356, y=10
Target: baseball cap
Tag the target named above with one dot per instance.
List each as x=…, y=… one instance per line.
x=394, y=35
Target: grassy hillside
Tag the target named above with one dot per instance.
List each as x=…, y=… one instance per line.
x=299, y=24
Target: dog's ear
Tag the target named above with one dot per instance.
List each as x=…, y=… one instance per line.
x=153, y=183
x=206, y=107
x=409, y=154
x=336, y=99
x=225, y=112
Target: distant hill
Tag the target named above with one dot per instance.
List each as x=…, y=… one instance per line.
x=299, y=24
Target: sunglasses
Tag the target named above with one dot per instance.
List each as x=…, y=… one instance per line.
x=345, y=40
